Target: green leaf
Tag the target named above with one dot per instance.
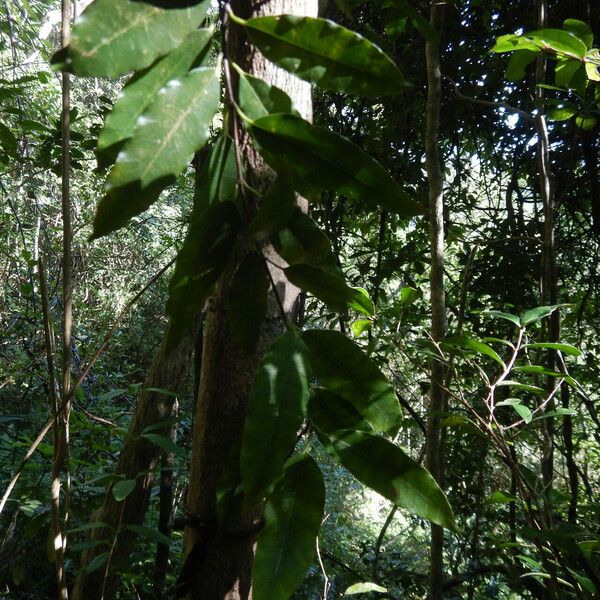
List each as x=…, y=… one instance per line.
x=165, y=443
x=8, y=141
x=586, y=122
x=303, y=241
x=503, y=315
x=247, y=306
x=276, y=209
x=592, y=64
x=258, y=99
x=326, y=54
x=175, y=126
x=559, y=41
x=512, y=43
x=522, y=386
x=409, y=295
x=276, y=408
x=385, y=468
x=88, y=526
x=364, y=588
x=536, y=314
x=565, y=71
x=462, y=341
x=141, y=90
x=567, y=349
x=359, y=326
x=123, y=488
x=518, y=63
x=200, y=263
x=150, y=534
x=330, y=288
x=96, y=563
x=114, y=37
x=500, y=497
x=314, y=159
x=406, y=9
x=286, y=545
x=229, y=487
x=329, y=412
x=561, y=114
x=581, y=30
x=218, y=179
x=523, y=412
x=343, y=368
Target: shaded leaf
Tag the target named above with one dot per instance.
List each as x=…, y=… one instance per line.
x=150, y=534
x=518, y=63
x=462, y=341
x=276, y=408
x=123, y=488
x=164, y=141
x=567, y=349
x=286, y=545
x=276, y=209
x=342, y=367
x=165, y=443
x=359, y=326
x=326, y=54
x=330, y=412
x=314, y=159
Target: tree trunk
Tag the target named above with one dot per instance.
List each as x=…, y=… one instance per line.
x=138, y=455
x=218, y=565
x=437, y=397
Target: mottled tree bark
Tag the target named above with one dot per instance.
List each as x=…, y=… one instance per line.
x=219, y=565
x=138, y=455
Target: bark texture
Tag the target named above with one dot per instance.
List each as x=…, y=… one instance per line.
x=218, y=564
x=138, y=455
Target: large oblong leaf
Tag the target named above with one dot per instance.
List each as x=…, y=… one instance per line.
x=276, y=408
x=114, y=37
x=175, y=126
x=329, y=412
x=342, y=367
x=141, y=90
x=200, y=262
x=326, y=54
x=285, y=547
x=388, y=470
x=314, y=159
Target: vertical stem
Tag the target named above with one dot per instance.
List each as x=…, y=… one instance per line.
x=438, y=300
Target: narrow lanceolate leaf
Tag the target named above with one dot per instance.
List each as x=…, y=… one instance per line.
x=343, y=368
x=326, y=54
x=114, y=37
x=567, y=349
x=462, y=341
x=285, y=546
x=329, y=412
x=314, y=159
x=276, y=408
x=248, y=300
x=141, y=90
x=330, y=288
x=388, y=470
x=174, y=127
x=200, y=263
x=258, y=99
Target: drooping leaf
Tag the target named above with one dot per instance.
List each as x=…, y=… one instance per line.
x=247, y=304
x=567, y=349
x=276, y=408
x=200, y=262
x=141, y=90
x=285, y=546
x=218, y=179
x=518, y=63
x=123, y=488
x=276, y=209
x=330, y=288
x=463, y=341
x=364, y=588
x=150, y=534
x=342, y=367
x=326, y=54
x=165, y=443
x=258, y=99
x=329, y=412
x=314, y=159
x=385, y=468
x=113, y=37
x=164, y=141
x=503, y=315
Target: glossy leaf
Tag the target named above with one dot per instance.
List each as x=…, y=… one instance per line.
x=385, y=468
x=248, y=300
x=567, y=349
x=463, y=341
x=330, y=412
x=174, y=127
x=503, y=315
x=330, y=288
x=200, y=262
x=359, y=326
x=518, y=63
x=554, y=40
x=123, y=488
x=314, y=159
x=141, y=90
x=343, y=368
x=218, y=179
x=113, y=37
x=536, y=314
x=286, y=545
x=581, y=30
x=276, y=408
x=326, y=54
x=258, y=99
